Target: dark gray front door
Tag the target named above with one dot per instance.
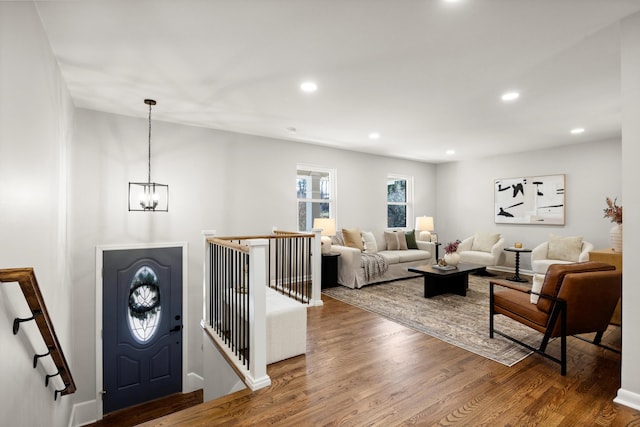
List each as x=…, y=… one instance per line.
x=141, y=325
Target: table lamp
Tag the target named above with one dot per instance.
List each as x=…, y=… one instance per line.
x=424, y=225
x=328, y=226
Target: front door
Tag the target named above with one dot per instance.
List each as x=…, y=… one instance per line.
x=141, y=325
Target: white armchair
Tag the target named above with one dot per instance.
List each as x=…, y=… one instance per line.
x=562, y=253
x=482, y=248
x=557, y=250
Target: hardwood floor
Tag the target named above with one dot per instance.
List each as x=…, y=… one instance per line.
x=361, y=369
x=150, y=411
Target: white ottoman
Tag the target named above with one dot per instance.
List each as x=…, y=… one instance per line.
x=286, y=327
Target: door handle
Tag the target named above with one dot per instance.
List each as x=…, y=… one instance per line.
x=176, y=328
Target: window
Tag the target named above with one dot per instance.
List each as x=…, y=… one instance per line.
x=316, y=195
x=399, y=199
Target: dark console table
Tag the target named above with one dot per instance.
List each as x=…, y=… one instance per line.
x=329, y=270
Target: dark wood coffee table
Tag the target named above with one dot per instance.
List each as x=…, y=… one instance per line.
x=454, y=281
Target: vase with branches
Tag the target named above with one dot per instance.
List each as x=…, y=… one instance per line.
x=613, y=211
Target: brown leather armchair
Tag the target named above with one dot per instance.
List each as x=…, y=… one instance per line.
x=575, y=299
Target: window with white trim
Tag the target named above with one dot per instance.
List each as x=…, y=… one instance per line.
x=399, y=200
x=315, y=188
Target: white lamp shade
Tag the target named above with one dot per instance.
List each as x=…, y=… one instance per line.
x=424, y=223
x=328, y=226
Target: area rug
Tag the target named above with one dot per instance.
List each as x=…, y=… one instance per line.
x=457, y=320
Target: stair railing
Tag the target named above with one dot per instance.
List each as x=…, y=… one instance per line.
x=237, y=271
x=60, y=374
x=235, y=308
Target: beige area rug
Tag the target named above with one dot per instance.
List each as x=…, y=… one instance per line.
x=461, y=321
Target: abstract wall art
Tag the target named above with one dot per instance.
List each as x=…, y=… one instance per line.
x=530, y=200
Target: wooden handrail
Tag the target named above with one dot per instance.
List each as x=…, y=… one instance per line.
x=26, y=278
x=280, y=235
x=229, y=244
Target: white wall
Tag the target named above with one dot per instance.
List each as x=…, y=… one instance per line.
x=217, y=382
x=466, y=194
x=35, y=125
x=630, y=389
x=231, y=183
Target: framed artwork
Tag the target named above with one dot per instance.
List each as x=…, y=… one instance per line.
x=434, y=238
x=530, y=200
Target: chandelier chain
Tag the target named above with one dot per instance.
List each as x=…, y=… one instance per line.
x=149, y=158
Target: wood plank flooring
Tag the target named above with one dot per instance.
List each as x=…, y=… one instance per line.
x=361, y=369
x=150, y=410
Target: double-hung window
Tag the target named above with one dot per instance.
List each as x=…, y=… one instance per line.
x=399, y=200
x=316, y=195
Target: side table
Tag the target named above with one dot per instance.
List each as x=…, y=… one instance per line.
x=437, y=251
x=518, y=251
x=329, y=270
x=614, y=258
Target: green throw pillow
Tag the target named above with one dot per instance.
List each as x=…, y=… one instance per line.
x=411, y=239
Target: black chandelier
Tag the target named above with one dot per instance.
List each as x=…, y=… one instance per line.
x=148, y=196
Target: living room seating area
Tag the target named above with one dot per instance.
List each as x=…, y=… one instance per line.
x=368, y=257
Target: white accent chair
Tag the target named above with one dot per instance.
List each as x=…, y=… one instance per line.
x=564, y=250
x=482, y=248
x=541, y=260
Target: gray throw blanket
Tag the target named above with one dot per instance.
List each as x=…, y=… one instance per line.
x=375, y=265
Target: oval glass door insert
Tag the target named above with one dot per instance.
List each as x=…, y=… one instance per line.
x=144, y=304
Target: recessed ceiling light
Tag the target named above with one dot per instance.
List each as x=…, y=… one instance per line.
x=374, y=135
x=309, y=87
x=577, y=131
x=510, y=96
x=450, y=152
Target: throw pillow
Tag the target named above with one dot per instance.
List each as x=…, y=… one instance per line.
x=564, y=248
x=370, y=244
x=402, y=240
x=536, y=286
x=395, y=240
x=338, y=239
x=392, y=240
x=483, y=242
x=353, y=238
x=411, y=239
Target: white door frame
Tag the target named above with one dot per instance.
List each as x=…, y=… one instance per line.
x=99, y=286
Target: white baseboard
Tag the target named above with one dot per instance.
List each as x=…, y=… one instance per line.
x=84, y=413
x=194, y=382
x=628, y=398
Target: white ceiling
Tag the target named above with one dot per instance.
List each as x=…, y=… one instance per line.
x=426, y=74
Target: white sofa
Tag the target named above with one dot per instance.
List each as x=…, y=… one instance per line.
x=351, y=270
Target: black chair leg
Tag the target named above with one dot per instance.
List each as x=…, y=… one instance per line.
x=491, y=312
x=563, y=355
x=598, y=337
x=563, y=339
